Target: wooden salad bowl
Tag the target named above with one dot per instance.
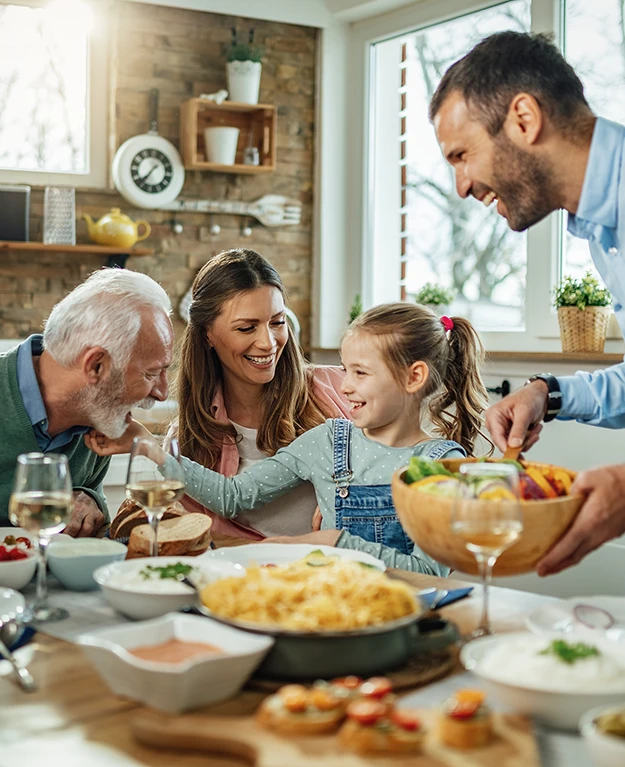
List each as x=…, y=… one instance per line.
x=427, y=520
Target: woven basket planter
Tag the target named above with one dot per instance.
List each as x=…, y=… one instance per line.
x=583, y=330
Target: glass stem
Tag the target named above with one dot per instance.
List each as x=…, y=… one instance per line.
x=154, y=517
x=485, y=564
x=41, y=598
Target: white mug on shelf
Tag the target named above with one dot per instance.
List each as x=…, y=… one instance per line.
x=220, y=143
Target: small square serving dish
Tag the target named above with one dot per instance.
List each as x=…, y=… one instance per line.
x=175, y=687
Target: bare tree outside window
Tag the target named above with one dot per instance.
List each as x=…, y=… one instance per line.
x=458, y=243
x=43, y=90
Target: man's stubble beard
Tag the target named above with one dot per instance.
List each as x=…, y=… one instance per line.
x=525, y=184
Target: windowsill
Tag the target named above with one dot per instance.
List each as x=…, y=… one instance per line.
x=606, y=359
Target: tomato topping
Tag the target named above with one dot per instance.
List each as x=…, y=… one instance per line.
x=4, y=554
x=376, y=687
x=17, y=554
x=459, y=710
x=406, y=720
x=366, y=712
x=24, y=541
x=350, y=682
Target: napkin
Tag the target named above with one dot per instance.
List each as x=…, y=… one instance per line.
x=24, y=639
x=453, y=596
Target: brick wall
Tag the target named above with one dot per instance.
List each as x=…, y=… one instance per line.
x=183, y=53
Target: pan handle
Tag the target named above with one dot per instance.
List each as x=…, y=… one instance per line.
x=154, y=110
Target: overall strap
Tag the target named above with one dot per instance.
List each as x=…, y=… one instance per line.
x=440, y=448
x=341, y=438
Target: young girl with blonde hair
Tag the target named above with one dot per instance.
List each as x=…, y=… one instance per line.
x=403, y=365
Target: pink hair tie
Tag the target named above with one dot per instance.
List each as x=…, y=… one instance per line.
x=447, y=323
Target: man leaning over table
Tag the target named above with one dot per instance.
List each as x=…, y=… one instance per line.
x=512, y=120
x=105, y=349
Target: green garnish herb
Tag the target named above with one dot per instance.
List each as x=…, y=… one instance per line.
x=176, y=571
x=570, y=653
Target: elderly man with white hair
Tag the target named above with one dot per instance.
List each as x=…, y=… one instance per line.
x=105, y=349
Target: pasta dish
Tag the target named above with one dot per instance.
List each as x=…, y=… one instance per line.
x=317, y=593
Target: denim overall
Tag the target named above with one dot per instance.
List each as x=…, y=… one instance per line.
x=367, y=510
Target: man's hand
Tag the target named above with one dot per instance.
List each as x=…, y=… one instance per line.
x=321, y=537
x=601, y=518
x=515, y=421
x=86, y=519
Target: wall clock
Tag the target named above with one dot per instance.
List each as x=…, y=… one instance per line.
x=147, y=169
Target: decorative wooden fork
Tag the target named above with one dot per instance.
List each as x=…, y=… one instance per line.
x=270, y=210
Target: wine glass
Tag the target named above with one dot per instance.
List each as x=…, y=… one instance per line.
x=155, y=487
x=487, y=515
x=41, y=502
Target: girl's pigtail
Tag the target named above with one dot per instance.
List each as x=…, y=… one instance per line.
x=462, y=387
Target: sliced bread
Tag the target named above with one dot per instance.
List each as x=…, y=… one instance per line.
x=187, y=535
x=130, y=515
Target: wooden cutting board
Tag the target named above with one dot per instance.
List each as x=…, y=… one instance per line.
x=513, y=746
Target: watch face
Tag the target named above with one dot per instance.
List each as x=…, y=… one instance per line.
x=151, y=170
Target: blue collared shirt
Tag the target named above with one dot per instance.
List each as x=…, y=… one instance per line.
x=599, y=398
x=33, y=401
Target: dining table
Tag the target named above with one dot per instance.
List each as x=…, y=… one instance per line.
x=73, y=720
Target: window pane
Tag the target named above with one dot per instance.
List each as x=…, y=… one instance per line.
x=595, y=47
x=453, y=242
x=43, y=90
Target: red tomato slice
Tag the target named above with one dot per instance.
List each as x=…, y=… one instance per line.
x=24, y=541
x=17, y=554
x=350, y=682
x=405, y=719
x=463, y=710
x=366, y=712
x=376, y=687
x=4, y=554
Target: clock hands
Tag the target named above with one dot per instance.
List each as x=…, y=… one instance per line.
x=142, y=179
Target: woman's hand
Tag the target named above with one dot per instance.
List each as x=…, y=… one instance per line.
x=321, y=537
x=103, y=445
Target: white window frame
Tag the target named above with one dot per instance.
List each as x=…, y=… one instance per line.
x=376, y=231
x=97, y=176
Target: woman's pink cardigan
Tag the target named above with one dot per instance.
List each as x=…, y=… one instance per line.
x=327, y=390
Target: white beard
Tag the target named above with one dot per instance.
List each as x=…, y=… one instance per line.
x=104, y=409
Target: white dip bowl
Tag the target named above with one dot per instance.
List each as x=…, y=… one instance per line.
x=552, y=692
x=138, y=597
x=170, y=687
x=73, y=562
x=605, y=750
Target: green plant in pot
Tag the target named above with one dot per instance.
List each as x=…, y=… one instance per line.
x=436, y=297
x=243, y=69
x=584, y=309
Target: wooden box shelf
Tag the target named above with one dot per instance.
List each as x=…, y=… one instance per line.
x=256, y=124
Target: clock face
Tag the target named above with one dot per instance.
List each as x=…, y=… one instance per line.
x=151, y=170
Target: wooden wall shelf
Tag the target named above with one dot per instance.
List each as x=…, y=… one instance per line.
x=116, y=256
x=257, y=127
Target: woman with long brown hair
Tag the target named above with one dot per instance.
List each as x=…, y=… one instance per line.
x=244, y=389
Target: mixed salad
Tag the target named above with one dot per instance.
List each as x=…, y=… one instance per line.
x=537, y=481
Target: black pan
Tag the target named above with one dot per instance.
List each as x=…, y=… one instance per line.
x=301, y=655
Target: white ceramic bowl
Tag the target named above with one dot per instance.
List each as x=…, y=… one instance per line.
x=560, y=709
x=17, y=573
x=126, y=591
x=175, y=687
x=605, y=750
x=283, y=553
x=73, y=562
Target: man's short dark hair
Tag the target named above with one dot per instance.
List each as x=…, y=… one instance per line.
x=507, y=63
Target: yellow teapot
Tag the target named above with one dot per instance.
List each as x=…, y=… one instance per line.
x=116, y=229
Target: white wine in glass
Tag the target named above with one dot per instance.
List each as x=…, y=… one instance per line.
x=487, y=516
x=155, y=480
x=41, y=502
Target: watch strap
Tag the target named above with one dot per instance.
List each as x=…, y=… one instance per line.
x=554, y=395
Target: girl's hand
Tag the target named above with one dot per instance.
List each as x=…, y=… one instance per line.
x=321, y=537
x=316, y=520
x=102, y=445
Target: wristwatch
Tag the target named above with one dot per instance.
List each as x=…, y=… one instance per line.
x=554, y=395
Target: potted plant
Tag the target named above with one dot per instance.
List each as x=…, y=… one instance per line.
x=243, y=69
x=583, y=313
x=435, y=297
